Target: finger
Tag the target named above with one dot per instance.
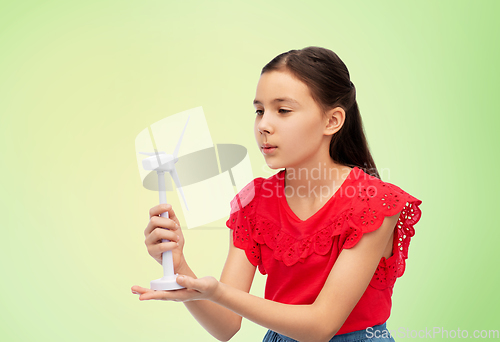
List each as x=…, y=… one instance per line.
x=160, y=222
x=158, y=234
x=153, y=295
x=150, y=294
x=138, y=290
x=159, y=248
x=174, y=295
x=161, y=208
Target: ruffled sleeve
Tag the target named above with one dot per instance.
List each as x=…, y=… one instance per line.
x=242, y=220
x=375, y=201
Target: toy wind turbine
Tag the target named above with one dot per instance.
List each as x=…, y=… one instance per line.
x=161, y=163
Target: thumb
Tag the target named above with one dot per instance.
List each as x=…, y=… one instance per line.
x=186, y=281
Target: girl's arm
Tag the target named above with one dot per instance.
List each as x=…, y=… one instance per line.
x=319, y=321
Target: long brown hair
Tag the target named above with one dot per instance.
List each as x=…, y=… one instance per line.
x=329, y=82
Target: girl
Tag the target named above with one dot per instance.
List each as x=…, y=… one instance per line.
x=331, y=236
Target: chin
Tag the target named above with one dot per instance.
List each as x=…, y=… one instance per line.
x=274, y=166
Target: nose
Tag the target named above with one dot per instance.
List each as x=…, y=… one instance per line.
x=264, y=125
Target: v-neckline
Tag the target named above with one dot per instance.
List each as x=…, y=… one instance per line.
x=331, y=199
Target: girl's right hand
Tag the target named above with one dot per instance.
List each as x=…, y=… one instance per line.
x=169, y=228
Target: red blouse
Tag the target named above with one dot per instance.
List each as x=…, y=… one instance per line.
x=297, y=255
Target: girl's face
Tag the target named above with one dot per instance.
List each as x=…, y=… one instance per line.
x=289, y=119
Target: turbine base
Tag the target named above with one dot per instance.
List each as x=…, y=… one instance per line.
x=166, y=283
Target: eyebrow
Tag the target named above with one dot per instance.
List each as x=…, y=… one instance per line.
x=282, y=99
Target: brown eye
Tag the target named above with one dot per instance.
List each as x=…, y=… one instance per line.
x=259, y=112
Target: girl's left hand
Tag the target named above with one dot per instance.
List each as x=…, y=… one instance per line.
x=195, y=289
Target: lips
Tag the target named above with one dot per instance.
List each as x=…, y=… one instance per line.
x=268, y=148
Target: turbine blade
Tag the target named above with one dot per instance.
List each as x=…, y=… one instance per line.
x=180, y=139
x=173, y=173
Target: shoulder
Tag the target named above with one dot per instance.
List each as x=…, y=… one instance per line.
x=250, y=194
x=373, y=200
x=243, y=213
x=371, y=192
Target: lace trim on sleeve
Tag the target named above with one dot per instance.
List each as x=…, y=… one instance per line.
x=241, y=220
x=370, y=216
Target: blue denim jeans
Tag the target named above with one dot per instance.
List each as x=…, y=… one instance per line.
x=377, y=333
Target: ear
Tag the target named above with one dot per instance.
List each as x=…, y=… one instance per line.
x=334, y=120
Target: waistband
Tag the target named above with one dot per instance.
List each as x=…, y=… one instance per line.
x=359, y=335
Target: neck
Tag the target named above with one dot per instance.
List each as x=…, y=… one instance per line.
x=315, y=183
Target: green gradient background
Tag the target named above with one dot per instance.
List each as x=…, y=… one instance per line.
x=79, y=81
